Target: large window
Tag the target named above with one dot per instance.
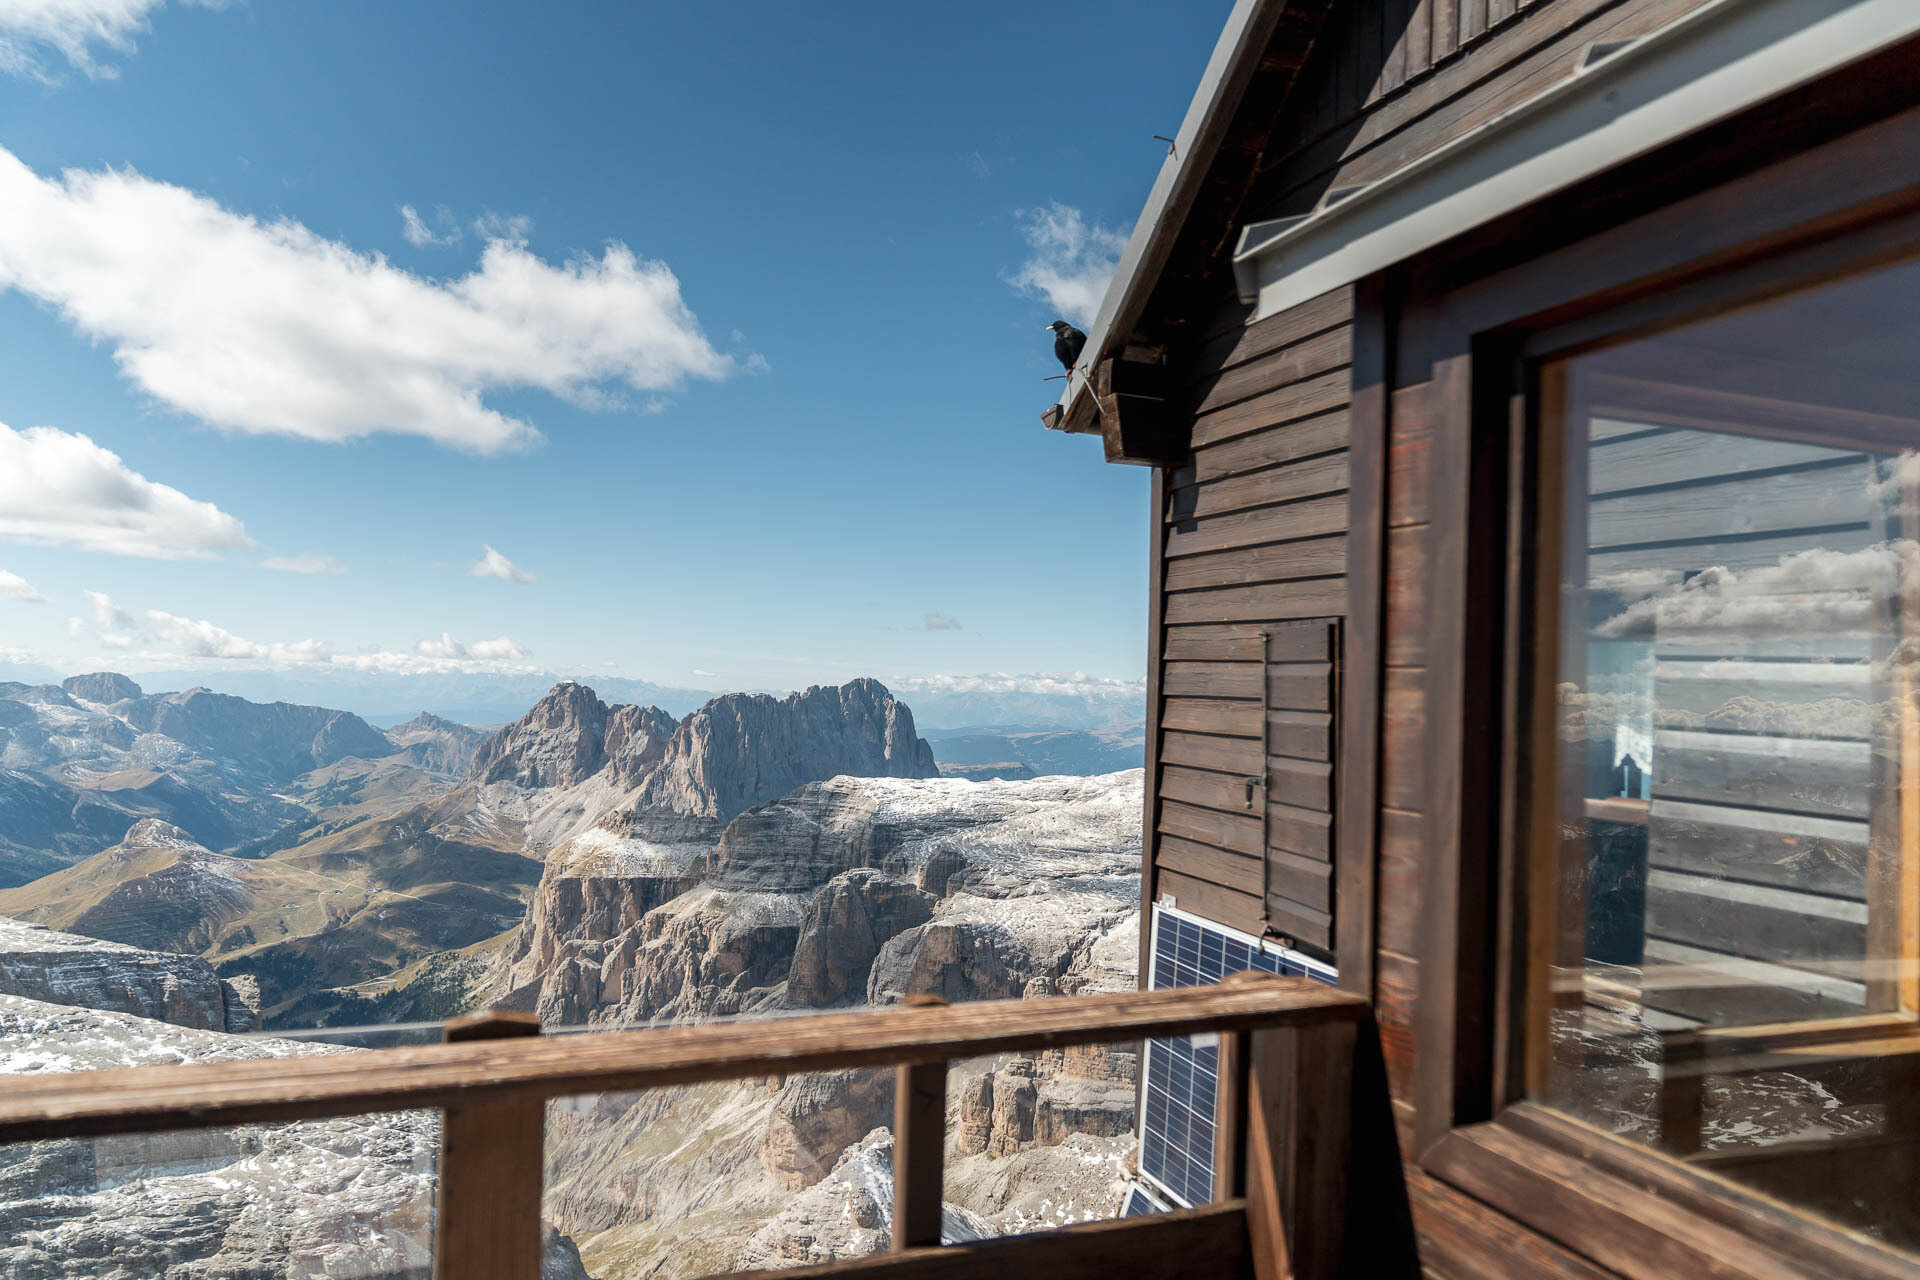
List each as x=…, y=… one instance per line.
x=1733, y=912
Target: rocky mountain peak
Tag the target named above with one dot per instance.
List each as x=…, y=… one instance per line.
x=434, y=742
x=153, y=833
x=744, y=749
x=636, y=742
x=101, y=687
x=558, y=743
x=279, y=739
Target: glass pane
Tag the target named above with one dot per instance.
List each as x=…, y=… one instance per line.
x=1738, y=883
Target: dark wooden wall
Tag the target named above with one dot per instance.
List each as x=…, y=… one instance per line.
x=1254, y=540
x=1257, y=531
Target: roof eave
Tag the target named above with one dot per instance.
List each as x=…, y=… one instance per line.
x=1236, y=56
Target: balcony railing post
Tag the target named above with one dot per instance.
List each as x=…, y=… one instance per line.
x=1299, y=1118
x=919, y=1144
x=492, y=1156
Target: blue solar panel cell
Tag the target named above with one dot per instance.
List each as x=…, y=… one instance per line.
x=1176, y=1138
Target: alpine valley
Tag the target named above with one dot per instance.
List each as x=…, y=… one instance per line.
x=194, y=876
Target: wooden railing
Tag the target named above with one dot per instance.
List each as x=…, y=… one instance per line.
x=1287, y=1053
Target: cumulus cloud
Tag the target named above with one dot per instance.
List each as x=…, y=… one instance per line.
x=495, y=565
x=486, y=650
x=107, y=615
x=269, y=328
x=30, y=30
x=937, y=621
x=195, y=638
x=15, y=587
x=59, y=487
x=422, y=236
x=308, y=564
x=1811, y=593
x=1074, y=683
x=159, y=636
x=1070, y=261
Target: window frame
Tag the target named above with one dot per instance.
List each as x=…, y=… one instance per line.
x=1806, y=194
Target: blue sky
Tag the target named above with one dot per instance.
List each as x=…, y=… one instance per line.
x=707, y=319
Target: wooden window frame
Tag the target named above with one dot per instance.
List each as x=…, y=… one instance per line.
x=1804, y=190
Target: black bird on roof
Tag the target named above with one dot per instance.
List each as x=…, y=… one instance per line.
x=1067, y=342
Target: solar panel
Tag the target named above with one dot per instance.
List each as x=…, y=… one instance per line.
x=1176, y=1127
x=1141, y=1201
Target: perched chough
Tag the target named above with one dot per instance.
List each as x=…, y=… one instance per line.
x=1067, y=342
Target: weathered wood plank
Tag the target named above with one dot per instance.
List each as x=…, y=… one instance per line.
x=1307, y=478
x=1802, y=775
x=1403, y=740
x=1276, y=562
x=1709, y=512
x=1234, y=719
x=1301, y=784
x=1806, y=931
x=919, y=1146
x=1205, y=751
x=1299, y=830
x=1680, y=456
x=1460, y=1236
x=221, y=1094
x=1303, y=686
x=1396, y=1000
x=1237, y=832
x=1305, y=519
x=1312, y=598
x=1410, y=455
x=1305, y=881
x=1323, y=393
x=1292, y=735
x=489, y=1183
x=1270, y=447
x=1208, y=1241
x=1399, y=885
x=1287, y=642
x=1316, y=355
x=1285, y=329
x=1406, y=602
x=1298, y=1143
x=1747, y=553
x=1230, y=907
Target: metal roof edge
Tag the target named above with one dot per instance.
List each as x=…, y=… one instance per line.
x=1235, y=55
x=1702, y=67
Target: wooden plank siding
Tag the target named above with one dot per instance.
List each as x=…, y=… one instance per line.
x=1253, y=540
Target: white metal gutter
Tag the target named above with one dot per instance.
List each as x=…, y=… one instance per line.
x=1235, y=55
x=1712, y=63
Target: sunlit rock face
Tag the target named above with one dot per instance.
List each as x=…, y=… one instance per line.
x=350, y=1198
x=845, y=891
x=39, y=964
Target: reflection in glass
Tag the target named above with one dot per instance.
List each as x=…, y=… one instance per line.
x=1738, y=782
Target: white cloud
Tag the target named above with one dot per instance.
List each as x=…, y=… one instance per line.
x=1076, y=683
x=194, y=638
x=1816, y=592
x=1070, y=262
x=15, y=587
x=60, y=487
x=303, y=564
x=446, y=646
x=495, y=565
x=30, y=29
x=164, y=639
x=704, y=675
x=107, y=615
x=422, y=236
x=269, y=328
x=937, y=621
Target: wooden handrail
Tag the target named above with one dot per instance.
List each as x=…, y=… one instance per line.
x=1290, y=1050
x=258, y=1091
